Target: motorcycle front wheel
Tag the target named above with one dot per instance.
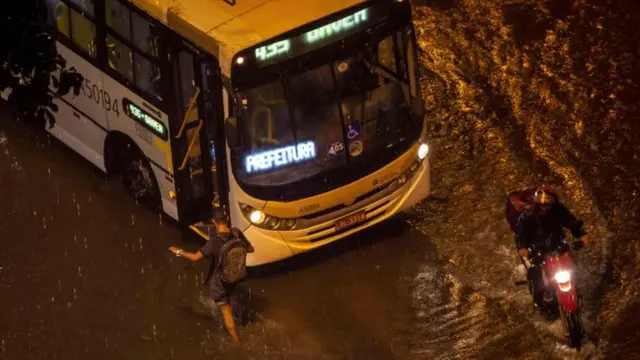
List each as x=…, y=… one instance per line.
x=572, y=328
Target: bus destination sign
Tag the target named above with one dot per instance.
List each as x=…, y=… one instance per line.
x=315, y=38
x=136, y=113
x=280, y=157
x=336, y=27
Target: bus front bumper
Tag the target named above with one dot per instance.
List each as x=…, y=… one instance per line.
x=280, y=245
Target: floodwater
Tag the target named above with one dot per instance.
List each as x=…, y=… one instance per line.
x=519, y=92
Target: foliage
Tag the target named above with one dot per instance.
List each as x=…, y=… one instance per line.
x=30, y=66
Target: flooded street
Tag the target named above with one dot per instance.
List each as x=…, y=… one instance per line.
x=85, y=272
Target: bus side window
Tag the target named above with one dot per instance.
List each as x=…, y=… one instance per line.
x=147, y=72
x=147, y=76
x=187, y=83
x=86, y=6
x=117, y=17
x=386, y=54
x=145, y=35
x=83, y=33
x=58, y=16
x=413, y=68
x=134, y=53
x=402, y=54
x=417, y=103
x=120, y=57
x=73, y=24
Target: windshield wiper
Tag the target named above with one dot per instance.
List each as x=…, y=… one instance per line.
x=382, y=70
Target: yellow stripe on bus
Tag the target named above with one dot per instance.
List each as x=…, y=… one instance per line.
x=164, y=146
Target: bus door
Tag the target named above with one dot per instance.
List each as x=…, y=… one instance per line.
x=193, y=140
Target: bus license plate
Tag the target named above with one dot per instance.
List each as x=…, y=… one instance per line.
x=351, y=220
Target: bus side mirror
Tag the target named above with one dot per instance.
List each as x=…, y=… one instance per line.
x=231, y=132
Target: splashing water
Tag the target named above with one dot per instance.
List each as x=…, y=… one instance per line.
x=505, y=117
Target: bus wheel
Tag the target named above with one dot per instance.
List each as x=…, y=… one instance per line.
x=139, y=180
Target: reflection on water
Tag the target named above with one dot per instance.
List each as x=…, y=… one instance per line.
x=529, y=91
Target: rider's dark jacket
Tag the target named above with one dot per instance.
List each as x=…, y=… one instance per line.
x=533, y=228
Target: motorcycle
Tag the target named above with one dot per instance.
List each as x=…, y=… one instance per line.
x=556, y=269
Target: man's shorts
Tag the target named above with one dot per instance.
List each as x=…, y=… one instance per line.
x=220, y=292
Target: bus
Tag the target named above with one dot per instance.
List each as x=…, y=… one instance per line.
x=304, y=122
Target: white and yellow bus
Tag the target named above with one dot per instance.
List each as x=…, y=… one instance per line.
x=303, y=119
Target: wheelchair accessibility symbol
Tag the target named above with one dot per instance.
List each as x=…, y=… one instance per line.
x=353, y=130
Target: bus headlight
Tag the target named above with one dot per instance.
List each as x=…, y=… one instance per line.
x=289, y=224
x=256, y=217
x=423, y=150
x=402, y=179
x=408, y=174
x=264, y=221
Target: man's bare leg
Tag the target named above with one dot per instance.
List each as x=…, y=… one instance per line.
x=227, y=316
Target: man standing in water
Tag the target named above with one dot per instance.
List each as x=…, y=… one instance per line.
x=217, y=250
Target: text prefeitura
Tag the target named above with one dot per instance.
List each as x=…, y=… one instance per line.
x=280, y=157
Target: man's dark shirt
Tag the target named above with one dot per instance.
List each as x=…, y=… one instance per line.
x=211, y=248
x=218, y=290
x=534, y=229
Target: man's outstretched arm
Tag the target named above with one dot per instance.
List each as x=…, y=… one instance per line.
x=196, y=256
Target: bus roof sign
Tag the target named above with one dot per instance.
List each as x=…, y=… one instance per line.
x=312, y=37
x=234, y=25
x=276, y=50
x=336, y=27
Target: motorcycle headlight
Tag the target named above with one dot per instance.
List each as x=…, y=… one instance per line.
x=562, y=277
x=264, y=221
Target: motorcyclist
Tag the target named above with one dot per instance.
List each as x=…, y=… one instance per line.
x=545, y=221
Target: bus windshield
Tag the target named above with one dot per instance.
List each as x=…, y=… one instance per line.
x=331, y=120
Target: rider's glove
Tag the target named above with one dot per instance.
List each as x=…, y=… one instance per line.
x=524, y=253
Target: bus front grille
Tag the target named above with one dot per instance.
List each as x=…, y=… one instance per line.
x=342, y=206
x=332, y=225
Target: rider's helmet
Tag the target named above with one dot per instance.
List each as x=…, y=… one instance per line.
x=545, y=197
